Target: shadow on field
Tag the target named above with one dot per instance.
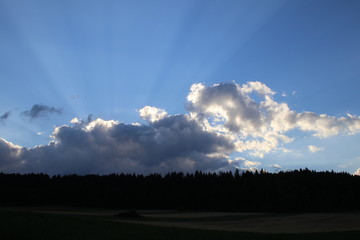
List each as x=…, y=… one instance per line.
x=253, y=222
x=69, y=224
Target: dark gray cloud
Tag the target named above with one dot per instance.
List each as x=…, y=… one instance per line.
x=222, y=119
x=5, y=116
x=175, y=143
x=38, y=110
x=10, y=159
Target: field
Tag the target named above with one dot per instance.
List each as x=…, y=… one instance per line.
x=44, y=223
x=256, y=222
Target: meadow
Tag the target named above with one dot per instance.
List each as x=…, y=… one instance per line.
x=300, y=204
x=46, y=223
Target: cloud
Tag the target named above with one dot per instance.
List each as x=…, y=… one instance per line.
x=248, y=163
x=255, y=122
x=10, y=159
x=222, y=119
x=38, y=110
x=175, y=143
x=241, y=164
x=357, y=172
x=152, y=114
x=314, y=149
x=276, y=166
x=5, y=116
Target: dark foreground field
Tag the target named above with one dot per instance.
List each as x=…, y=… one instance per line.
x=40, y=223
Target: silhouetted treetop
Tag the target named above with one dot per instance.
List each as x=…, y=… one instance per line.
x=298, y=190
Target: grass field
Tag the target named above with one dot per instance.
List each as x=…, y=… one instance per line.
x=256, y=222
x=73, y=224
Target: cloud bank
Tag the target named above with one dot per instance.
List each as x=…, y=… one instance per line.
x=175, y=143
x=222, y=119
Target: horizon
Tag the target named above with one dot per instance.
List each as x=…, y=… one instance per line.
x=185, y=174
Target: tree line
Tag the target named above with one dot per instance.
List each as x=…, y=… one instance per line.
x=301, y=190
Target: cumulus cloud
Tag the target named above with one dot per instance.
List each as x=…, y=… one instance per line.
x=10, y=159
x=259, y=126
x=222, y=119
x=38, y=110
x=5, y=116
x=314, y=149
x=152, y=114
x=357, y=172
x=175, y=143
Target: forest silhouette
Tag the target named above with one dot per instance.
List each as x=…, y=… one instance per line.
x=301, y=190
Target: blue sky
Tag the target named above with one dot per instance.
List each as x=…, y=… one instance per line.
x=112, y=58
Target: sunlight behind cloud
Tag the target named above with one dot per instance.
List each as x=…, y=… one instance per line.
x=223, y=119
x=130, y=64
x=152, y=114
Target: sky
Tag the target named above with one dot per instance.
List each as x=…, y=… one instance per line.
x=159, y=86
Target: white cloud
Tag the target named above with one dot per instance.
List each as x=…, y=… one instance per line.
x=249, y=164
x=314, y=149
x=222, y=119
x=357, y=172
x=152, y=114
x=75, y=121
x=242, y=164
x=259, y=126
x=276, y=166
